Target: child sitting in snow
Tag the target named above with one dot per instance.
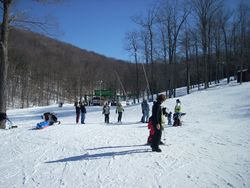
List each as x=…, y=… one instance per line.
x=49, y=119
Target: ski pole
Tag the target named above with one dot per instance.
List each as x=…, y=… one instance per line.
x=164, y=133
x=124, y=117
x=11, y=123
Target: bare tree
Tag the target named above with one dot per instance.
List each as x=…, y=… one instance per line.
x=4, y=58
x=145, y=48
x=224, y=24
x=147, y=24
x=132, y=47
x=242, y=21
x=173, y=18
x=205, y=11
x=186, y=44
x=7, y=20
x=164, y=49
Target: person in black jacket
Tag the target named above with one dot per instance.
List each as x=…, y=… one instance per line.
x=78, y=110
x=51, y=118
x=106, y=112
x=157, y=122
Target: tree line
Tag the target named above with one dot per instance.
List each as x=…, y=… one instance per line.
x=198, y=41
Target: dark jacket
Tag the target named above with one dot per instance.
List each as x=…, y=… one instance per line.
x=83, y=109
x=145, y=107
x=78, y=109
x=156, y=113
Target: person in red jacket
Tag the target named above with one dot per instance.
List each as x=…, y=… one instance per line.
x=151, y=128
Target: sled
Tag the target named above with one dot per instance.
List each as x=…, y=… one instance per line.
x=42, y=125
x=40, y=128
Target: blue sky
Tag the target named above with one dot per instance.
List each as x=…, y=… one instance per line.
x=94, y=25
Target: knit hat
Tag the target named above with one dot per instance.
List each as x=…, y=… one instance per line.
x=161, y=98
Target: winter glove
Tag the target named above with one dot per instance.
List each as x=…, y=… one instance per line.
x=158, y=127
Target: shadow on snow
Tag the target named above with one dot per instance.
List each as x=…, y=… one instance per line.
x=87, y=156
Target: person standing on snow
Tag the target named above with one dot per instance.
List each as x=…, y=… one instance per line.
x=177, y=113
x=177, y=108
x=145, y=111
x=78, y=110
x=157, y=122
x=83, y=112
x=119, y=110
x=106, y=112
x=170, y=118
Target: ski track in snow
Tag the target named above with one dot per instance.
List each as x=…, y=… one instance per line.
x=211, y=149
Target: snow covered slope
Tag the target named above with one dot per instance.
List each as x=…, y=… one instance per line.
x=211, y=149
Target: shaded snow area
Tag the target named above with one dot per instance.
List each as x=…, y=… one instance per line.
x=211, y=149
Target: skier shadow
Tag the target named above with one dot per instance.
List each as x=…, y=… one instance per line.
x=123, y=123
x=110, y=147
x=88, y=156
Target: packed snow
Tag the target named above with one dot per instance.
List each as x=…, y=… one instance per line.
x=211, y=149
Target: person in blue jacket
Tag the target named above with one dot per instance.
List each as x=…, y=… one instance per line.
x=83, y=112
x=145, y=111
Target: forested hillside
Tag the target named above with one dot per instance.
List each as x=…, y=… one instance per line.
x=43, y=70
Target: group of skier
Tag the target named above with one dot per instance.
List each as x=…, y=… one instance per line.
x=156, y=122
x=81, y=111
x=106, y=112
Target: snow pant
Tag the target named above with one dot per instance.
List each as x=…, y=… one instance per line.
x=145, y=116
x=82, y=118
x=77, y=117
x=156, y=138
x=151, y=135
x=169, y=121
x=119, y=116
x=106, y=118
x=176, y=117
x=151, y=132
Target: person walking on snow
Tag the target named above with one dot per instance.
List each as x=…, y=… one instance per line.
x=157, y=123
x=106, y=112
x=119, y=110
x=83, y=112
x=145, y=111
